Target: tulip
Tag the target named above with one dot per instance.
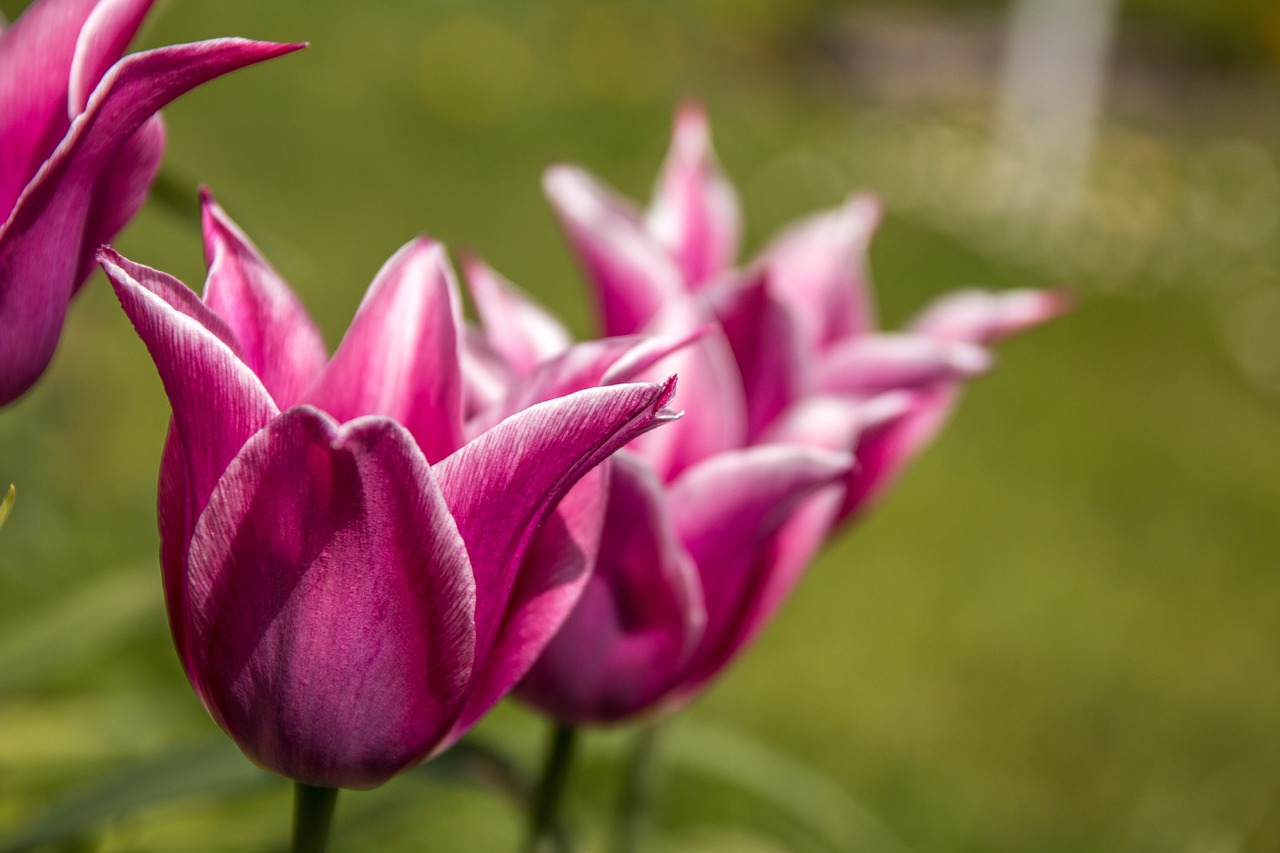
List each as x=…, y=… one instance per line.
x=354, y=574
x=707, y=530
x=80, y=143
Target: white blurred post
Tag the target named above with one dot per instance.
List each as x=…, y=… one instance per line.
x=1051, y=98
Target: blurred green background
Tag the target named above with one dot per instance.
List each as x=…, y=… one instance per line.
x=1062, y=629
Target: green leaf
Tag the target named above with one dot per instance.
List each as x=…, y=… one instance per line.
x=212, y=769
x=6, y=505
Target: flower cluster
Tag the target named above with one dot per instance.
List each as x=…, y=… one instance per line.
x=362, y=553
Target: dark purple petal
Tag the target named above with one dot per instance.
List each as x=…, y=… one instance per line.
x=639, y=619
x=695, y=212
x=400, y=356
x=331, y=601
x=633, y=275
x=502, y=486
x=277, y=338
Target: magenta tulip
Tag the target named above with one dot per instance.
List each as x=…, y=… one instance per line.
x=80, y=143
x=709, y=527
x=354, y=574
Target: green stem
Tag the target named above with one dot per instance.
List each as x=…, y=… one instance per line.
x=312, y=814
x=544, y=820
x=635, y=796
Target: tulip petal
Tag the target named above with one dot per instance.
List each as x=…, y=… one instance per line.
x=121, y=189
x=712, y=393
x=35, y=65
x=517, y=328
x=632, y=273
x=869, y=364
x=502, y=486
x=331, y=601
x=817, y=269
x=39, y=242
x=985, y=318
x=277, y=339
x=218, y=403
x=766, y=345
x=400, y=356
x=639, y=619
x=695, y=212
x=725, y=511
x=102, y=40
x=606, y=361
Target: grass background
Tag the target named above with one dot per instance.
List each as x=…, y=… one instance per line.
x=1060, y=632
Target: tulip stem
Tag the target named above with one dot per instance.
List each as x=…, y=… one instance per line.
x=635, y=795
x=545, y=833
x=312, y=814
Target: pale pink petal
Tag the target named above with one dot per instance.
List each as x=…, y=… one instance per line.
x=626, y=642
x=217, y=401
x=818, y=269
x=40, y=243
x=331, y=601
x=695, y=212
x=277, y=338
x=982, y=317
x=725, y=511
x=400, y=356
x=502, y=486
x=517, y=328
x=633, y=275
x=869, y=364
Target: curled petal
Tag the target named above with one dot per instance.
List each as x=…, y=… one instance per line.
x=35, y=66
x=41, y=240
x=277, y=338
x=639, y=618
x=103, y=39
x=606, y=361
x=632, y=273
x=501, y=487
x=400, y=356
x=331, y=601
x=695, y=212
x=516, y=327
x=725, y=511
x=982, y=317
x=218, y=403
x=818, y=270
x=870, y=364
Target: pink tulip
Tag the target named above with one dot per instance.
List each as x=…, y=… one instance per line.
x=80, y=143
x=712, y=522
x=353, y=573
